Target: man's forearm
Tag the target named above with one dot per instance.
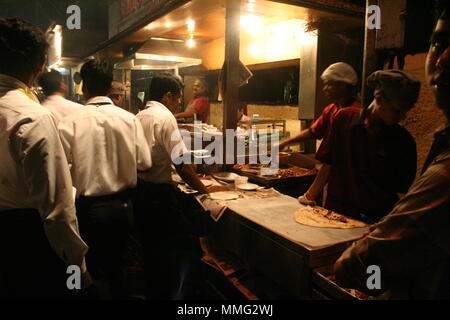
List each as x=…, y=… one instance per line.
x=319, y=182
x=304, y=135
x=185, y=114
x=187, y=173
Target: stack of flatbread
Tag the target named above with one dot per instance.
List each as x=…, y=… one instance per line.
x=323, y=218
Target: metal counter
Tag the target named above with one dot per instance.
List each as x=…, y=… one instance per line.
x=264, y=235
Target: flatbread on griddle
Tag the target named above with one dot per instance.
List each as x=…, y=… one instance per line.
x=323, y=218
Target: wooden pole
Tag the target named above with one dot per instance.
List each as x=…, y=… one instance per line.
x=370, y=56
x=232, y=41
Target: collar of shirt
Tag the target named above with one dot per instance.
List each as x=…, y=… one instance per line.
x=442, y=140
x=13, y=83
x=156, y=104
x=440, y=149
x=54, y=97
x=100, y=100
x=359, y=120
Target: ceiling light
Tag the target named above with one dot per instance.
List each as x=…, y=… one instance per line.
x=251, y=23
x=191, y=25
x=190, y=43
x=166, y=39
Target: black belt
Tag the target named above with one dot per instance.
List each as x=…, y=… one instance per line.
x=122, y=196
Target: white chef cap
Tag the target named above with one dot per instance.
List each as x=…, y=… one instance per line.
x=342, y=72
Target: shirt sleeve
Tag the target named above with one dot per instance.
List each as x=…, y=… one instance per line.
x=143, y=158
x=49, y=186
x=202, y=105
x=325, y=152
x=172, y=139
x=319, y=127
x=409, y=240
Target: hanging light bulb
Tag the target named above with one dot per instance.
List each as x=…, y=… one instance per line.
x=191, y=26
x=190, y=43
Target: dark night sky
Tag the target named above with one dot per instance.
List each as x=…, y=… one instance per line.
x=76, y=43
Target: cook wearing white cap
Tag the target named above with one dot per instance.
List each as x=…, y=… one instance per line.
x=340, y=72
x=371, y=157
x=340, y=81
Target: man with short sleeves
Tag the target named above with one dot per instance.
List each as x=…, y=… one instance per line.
x=106, y=147
x=372, y=158
x=339, y=86
x=55, y=91
x=166, y=239
x=39, y=235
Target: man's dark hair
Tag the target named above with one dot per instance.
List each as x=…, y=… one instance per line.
x=97, y=77
x=23, y=47
x=50, y=82
x=163, y=83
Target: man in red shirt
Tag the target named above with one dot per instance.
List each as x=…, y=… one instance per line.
x=198, y=105
x=340, y=81
x=371, y=158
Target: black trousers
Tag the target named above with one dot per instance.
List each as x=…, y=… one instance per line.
x=171, y=251
x=29, y=267
x=104, y=224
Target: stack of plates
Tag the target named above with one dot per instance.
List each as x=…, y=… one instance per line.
x=226, y=176
x=247, y=186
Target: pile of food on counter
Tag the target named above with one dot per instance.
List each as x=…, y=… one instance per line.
x=290, y=172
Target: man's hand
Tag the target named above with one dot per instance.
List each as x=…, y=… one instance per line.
x=217, y=189
x=372, y=227
x=306, y=201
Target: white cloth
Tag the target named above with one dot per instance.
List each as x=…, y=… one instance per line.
x=165, y=141
x=60, y=107
x=33, y=169
x=342, y=72
x=105, y=146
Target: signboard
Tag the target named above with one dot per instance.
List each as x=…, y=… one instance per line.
x=124, y=14
x=128, y=7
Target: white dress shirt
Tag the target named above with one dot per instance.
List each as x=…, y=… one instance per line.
x=105, y=146
x=33, y=169
x=60, y=107
x=164, y=138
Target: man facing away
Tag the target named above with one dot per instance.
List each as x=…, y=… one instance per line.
x=39, y=234
x=105, y=146
x=55, y=92
x=169, y=250
x=411, y=245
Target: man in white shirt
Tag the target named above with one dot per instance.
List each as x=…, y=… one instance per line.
x=39, y=234
x=55, y=91
x=106, y=147
x=169, y=248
